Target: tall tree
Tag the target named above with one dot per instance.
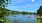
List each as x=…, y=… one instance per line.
x=39, y=11
x=3, y=3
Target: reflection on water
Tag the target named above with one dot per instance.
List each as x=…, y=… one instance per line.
x=19, y=18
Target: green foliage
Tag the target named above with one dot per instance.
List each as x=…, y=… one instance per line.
x=24, y=12
x=39, y=20
x=8, y=20
x=2, y=2
x=3, y=11
x=39, y=11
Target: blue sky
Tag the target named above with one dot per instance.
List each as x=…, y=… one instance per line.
x=25, y=5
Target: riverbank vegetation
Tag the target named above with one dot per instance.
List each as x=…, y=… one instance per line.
x=6, y=11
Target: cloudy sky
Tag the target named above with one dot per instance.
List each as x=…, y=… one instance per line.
x=25, y=5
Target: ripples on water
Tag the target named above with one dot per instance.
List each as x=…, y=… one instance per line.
x=21, y=18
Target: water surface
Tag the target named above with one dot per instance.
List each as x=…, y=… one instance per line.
x=21, y=18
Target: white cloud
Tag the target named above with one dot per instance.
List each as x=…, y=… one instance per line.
x=33, y=0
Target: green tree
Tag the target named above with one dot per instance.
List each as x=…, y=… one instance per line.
x=3, y=3
x=24, y=12
x=39, y=11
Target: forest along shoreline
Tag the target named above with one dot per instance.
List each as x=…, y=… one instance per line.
x=4, y=11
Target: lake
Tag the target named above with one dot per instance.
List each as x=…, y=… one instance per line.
x=20, y=18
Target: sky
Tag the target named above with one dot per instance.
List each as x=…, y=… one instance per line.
x=25, y=5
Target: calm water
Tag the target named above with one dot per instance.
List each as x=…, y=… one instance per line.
x=21, y=18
